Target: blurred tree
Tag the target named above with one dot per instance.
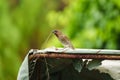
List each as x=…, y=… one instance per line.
x=25, y=24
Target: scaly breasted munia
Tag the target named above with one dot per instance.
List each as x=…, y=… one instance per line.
x=63, y=39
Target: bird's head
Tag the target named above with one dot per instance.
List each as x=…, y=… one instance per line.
x=57, y=32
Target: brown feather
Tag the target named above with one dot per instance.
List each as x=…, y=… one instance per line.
x=63, y=39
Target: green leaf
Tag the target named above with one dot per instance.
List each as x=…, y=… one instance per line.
x=78, y=64
x=93, y=64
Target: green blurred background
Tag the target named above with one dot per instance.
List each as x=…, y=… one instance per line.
x=26, y=24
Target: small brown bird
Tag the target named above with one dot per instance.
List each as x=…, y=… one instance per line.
x=63, y=39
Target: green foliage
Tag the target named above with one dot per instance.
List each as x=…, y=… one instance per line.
x=22, y=25
x=25, y=24
x=94, y=63
x=78, y=65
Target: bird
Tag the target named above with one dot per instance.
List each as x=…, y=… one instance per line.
x=63, y=39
